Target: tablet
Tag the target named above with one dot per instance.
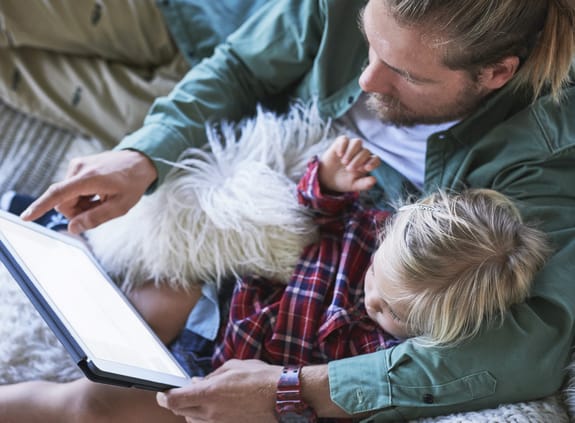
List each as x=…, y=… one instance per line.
x=88, y=313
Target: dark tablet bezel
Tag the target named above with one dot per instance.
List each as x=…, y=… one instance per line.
x=94, y=368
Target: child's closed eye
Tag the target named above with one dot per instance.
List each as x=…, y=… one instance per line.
x=394, y=315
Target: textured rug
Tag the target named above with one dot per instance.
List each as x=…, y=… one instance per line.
x=32, y=155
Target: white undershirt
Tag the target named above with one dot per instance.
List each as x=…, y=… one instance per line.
x=403, y=148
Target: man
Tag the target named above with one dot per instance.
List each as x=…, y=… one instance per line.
x=475, y=84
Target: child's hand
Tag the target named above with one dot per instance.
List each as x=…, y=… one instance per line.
x=345, y=165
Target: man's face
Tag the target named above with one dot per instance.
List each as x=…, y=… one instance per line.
x=406, y=79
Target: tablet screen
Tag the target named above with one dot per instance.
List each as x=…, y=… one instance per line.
x=86, y=300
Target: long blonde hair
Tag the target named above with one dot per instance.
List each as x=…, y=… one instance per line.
x=481, y=33
x=459, y=260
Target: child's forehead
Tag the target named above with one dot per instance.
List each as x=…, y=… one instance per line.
x=387, y=248
x=380, y=268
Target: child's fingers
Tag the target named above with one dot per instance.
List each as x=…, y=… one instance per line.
x=372, y=162
x=363, y=161
x=335, y=151
x=364, y=183
x=354, y=147
x=340, y=145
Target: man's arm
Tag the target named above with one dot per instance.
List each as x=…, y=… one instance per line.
x=263, y=59
x=260, y=60
x=315, y=391
x=245, y=391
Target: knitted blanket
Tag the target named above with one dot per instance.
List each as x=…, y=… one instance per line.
x=32, y=154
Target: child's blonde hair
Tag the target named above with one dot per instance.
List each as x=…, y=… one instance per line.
x=459, y=260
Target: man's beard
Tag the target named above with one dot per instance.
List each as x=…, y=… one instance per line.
x=390, y=110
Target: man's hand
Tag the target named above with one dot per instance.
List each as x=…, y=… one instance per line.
x=245, y=390
x=238, y=391
x=345, y=165
x=96, y=189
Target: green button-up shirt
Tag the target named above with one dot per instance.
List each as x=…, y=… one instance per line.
x=313, y=49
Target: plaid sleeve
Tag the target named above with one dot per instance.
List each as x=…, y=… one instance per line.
x=329, y=209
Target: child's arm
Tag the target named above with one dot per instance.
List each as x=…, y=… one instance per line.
x=331, y=185
x=344, y=167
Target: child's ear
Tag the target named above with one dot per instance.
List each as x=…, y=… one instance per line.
x=498, y=74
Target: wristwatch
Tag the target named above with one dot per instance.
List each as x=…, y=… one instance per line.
x=290, y=407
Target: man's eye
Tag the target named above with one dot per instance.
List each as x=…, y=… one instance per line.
x=409, y=79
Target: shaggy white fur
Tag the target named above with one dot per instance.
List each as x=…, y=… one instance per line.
x=227, y=211
x=28, y=348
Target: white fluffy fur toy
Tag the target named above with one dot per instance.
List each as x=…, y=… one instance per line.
x=230, y=210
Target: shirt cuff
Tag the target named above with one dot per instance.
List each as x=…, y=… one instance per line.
x=356, y=390
x=162, y=145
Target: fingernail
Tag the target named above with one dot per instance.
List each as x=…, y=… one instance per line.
x=25, y=214
x=161, y=399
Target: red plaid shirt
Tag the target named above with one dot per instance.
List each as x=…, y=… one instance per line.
x=320, y=315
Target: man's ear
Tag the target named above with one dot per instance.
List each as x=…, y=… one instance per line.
x=498, y=74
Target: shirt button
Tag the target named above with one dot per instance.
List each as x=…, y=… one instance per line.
x=428, y=399
x=350, y=100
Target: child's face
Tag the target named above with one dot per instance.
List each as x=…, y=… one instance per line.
x=387, y=315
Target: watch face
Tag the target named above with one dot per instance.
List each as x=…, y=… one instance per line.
x=292, y=417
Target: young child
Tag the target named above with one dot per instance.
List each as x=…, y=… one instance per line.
x=437, y=269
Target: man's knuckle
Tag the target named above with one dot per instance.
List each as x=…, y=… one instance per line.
x=54, y=190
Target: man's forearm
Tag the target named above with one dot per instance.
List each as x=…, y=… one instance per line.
x=315, y=391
